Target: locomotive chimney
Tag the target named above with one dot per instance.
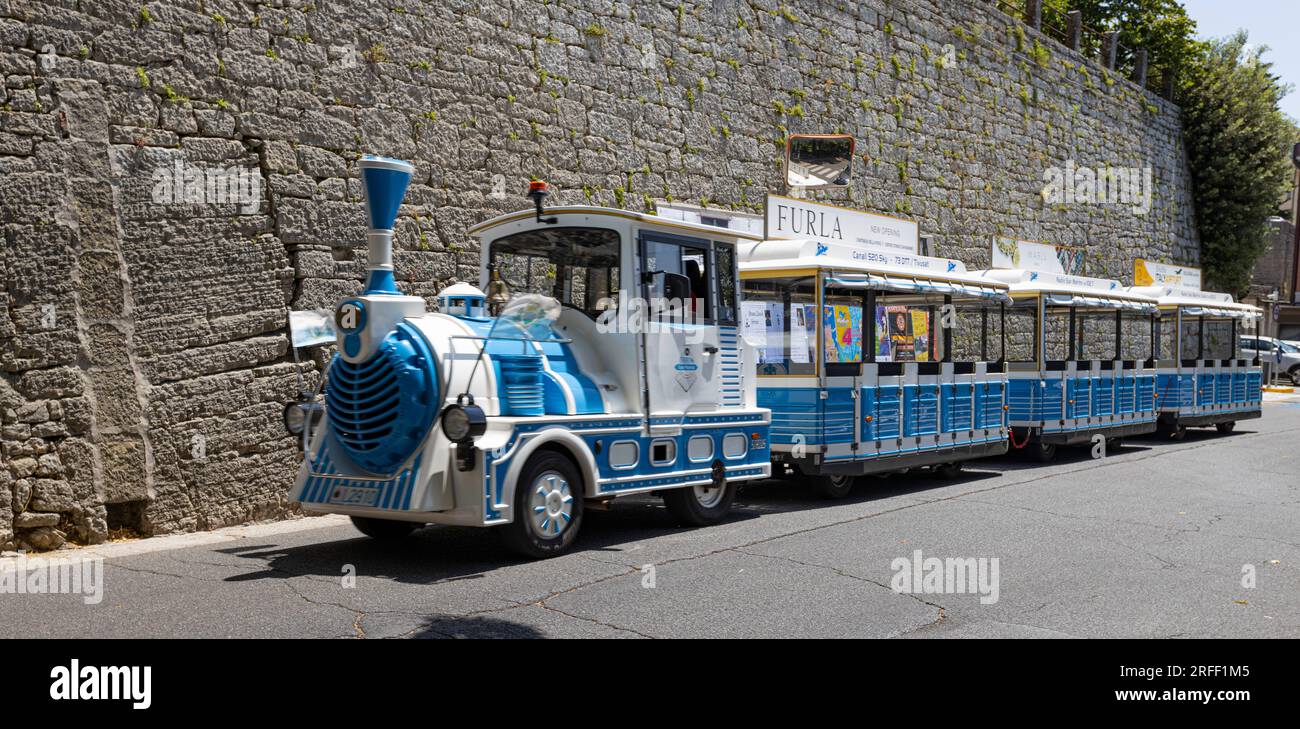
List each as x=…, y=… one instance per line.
x=384, y=181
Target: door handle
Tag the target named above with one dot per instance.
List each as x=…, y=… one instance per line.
x=710, y=349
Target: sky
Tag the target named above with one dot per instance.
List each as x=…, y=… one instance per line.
x=1273, y=23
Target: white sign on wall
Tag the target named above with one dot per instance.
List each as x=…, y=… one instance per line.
x=791, y=219
x=1030, y=256
x=1150, y=273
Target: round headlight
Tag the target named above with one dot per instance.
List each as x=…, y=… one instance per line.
x=455, y=423
x=463, y=422
x=295, y=418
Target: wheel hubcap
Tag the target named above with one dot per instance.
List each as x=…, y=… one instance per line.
x=710, y=495
x=551, y=503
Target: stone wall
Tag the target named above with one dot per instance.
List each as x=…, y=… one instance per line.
x=142, y=340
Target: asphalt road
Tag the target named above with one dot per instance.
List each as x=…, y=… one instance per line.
x=1149, y=542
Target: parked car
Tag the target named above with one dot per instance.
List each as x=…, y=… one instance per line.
x=1269, y=348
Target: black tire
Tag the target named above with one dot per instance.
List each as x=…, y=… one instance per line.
x=1294, y=372
x=697, y=506
x=384, y=530
x=1114, y=445
x=949, y=471
x=550, y=481
x=1041, y=452
x=1178, y=433
x=835, y=486
x=1226, y=428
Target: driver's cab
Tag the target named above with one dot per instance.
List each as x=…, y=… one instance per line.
x=649, y=310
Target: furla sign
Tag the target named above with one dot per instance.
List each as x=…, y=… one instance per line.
x=791, y=219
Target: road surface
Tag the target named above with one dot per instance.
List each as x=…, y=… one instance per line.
x=1158, y=540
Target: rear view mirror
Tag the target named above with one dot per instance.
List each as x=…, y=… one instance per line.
x=677, y=286
x=819, y=160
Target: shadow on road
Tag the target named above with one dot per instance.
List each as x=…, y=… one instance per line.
x=441, y=554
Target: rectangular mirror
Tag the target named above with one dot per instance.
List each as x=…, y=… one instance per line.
x=818, y=160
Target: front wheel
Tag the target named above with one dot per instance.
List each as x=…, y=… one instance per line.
x=384, y=530
x=704, y=504
x=548, y=507
x=1225, y=428
x=835, y=485
x=1178, y=433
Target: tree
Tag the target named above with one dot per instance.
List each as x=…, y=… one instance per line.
x=1160, y=26
x=1237, y=142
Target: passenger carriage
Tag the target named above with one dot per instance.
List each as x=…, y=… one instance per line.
x=604, y=359
x=873, y=361
x=1204, y=379
x=1081, y=360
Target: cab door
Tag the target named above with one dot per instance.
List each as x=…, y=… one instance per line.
x=680, y=342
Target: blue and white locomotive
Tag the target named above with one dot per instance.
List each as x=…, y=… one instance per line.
x=604, y=360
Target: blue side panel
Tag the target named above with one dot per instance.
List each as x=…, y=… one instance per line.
x=1053, y=407
x=958, y=408
x=1127, y=398
x=1223, y=388
x=1239, y=386
x=1254, y=381
x=1103, y=396
x=1024, y=399
x=837, y=416
x=1146, y=393
x=796, y=411
x=888, y=421
x=920, y=409
x=1078, y=397
x=989, y=405
x=1204, y=388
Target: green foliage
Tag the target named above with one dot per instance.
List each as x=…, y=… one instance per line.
x=1236, y=140
x=1160, y=26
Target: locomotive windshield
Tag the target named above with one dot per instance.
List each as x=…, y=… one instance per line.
x=576, y=266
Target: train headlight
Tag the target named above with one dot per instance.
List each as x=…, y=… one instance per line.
x=463, y=423
x=299, y=415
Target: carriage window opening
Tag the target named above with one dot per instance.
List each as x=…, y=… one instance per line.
x=1021, y=331
x=577, y=266
x=1056, y=333
x=976, y=332
x=842, y=327
x=778, y=318
x=1095, y=329
x=724, y=258
x=1136, y=341
x=907, y=328
x=1219, y=340
x=684, y=260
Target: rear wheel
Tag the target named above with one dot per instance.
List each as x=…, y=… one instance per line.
x=384, y=530
x=548, y=507
x=949, y=470
x=1041, y=452
x=704, y=504
x=835, y=485
x=1113, y=445
x=1225, y=428
x=1178, y=432
x=1295, y=376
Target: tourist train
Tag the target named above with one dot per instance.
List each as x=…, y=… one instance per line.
x=604, y=352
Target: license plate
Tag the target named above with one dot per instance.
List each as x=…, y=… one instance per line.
x=354, y=496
